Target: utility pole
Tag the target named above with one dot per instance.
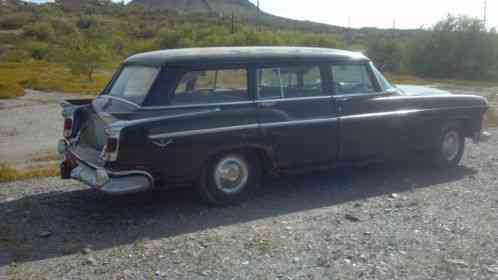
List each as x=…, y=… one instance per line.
x=485, y=18
x=394, y=30
x=257, y=17
x=233, y=23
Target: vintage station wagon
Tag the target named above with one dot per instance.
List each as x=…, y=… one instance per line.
x=221, y=118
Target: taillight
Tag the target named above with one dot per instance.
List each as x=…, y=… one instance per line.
x=68, y=128
x=112, y=145
x=110, y=151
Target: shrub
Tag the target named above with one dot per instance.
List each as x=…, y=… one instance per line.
x=9, y=173
x=14, y=21
x=10, y=90
x=38, y=50
x=15, y=55
x=40, y=31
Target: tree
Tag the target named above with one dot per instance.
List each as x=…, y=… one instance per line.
x=84, y=57
x=387, y=54
x=457, y=47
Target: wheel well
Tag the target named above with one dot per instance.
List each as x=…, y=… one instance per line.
x=467, y=126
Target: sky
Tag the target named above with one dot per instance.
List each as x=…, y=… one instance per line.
x=379, y=13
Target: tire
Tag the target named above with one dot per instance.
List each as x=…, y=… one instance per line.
x=230, y=178
x=450, y=146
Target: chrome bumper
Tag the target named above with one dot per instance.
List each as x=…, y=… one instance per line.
x=481, y=136
x=115, y=183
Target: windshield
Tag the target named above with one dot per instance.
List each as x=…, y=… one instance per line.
x=133, y=83
x=383, y=82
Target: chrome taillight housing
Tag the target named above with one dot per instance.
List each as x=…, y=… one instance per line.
x=111, y=148
x=68, y=127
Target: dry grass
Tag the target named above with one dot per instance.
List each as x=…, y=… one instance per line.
x=49, y=77
x=10, y=90
x=414, y=80
x=491, y=118
x=9, y=173
x=404, y=79
x=46, y=157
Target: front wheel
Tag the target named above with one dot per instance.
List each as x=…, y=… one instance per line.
x=451, y=145
x=230, y=178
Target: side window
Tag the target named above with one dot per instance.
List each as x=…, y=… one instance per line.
x=350, y=79
x=212, y=86
x=289, y=82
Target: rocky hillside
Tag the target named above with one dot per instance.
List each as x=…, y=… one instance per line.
x=238, y=7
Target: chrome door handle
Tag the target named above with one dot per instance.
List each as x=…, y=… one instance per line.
x=343, y=99
x=266, y=104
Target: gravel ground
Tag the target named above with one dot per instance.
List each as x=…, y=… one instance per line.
x=390, y=221
x=30, y=125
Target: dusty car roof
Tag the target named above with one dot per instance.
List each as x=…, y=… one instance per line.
x=241, y=54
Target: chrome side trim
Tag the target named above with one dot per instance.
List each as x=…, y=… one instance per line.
x=120, y=124
x=203, y=131
x=298, y=122
x=382, y=114
x=398, y=113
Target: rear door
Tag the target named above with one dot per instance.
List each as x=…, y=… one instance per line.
x=296, y=113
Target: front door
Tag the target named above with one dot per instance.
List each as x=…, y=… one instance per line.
x=296, y=113
x=372, y=125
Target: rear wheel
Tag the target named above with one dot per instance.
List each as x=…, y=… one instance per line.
x=230, y=178
x=451, y=145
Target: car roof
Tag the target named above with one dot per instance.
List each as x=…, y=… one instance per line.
x=223, y=55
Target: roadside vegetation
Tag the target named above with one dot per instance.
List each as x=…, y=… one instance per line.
x=51, y=48
x=9, y=173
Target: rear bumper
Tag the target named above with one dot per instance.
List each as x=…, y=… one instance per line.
x=114, y=183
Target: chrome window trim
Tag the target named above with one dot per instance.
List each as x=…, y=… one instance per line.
x=377, y=93
x=120, y=99
x=294, y=99
x=193, y=106
x=200, y=105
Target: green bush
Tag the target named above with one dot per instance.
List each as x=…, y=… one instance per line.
x=38, y=50
x=42, y=31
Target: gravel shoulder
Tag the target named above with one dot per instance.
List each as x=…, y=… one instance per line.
x=391, y=221
x=31, y=125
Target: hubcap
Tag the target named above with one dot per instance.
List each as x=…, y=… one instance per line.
x=231, y=174
x=451, y=145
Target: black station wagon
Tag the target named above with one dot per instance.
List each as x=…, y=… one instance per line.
x=221, y=118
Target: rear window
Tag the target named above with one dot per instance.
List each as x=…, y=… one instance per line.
x=212, y=86
x=289, y=82
x=133, y=83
